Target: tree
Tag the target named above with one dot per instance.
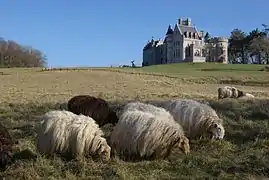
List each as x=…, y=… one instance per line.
x=258, y=43
x=265, y=29
x=260, y=47
x=238, y=47
x=13, y=54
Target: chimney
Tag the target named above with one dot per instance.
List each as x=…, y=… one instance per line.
x=180, y=21
x=188, y=21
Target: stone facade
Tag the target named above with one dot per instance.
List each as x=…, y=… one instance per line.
x=184, y=43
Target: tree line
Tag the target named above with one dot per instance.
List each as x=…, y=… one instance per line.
x=248, y=47
x=13, y=54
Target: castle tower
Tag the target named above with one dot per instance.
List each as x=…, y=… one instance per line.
x=222, y=49
x=169, y=44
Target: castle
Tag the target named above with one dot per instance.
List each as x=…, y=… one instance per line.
x=185, y=43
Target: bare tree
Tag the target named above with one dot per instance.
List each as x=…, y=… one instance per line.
x=13, y=54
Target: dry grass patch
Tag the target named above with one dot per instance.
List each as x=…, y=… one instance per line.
x=243, y=153
x=26, y=94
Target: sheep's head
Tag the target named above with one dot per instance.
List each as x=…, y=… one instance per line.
x=216, y=131
x=184, y=144
x=112, y=117
x=235, y=92
x=241, y=93
x=104, y=152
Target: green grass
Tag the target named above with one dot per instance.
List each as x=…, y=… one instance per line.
x=241, y=155
x=238, y=74
x=188, y=67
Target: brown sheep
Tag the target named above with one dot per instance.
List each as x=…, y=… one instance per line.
x=6, y=144
x=96, y=108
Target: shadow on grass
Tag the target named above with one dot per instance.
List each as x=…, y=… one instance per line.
x=237, y=109
x=244, y=83
x=24, y=155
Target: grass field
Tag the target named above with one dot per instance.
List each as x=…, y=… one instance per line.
x=243, y=154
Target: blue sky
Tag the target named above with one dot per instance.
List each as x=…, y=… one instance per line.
x=104, y=33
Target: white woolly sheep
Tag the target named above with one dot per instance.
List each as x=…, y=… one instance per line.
x=144, y=107
x=248, y=96
x=65, y=132
x=143, y=135
x=229, y=92
x=197, y=119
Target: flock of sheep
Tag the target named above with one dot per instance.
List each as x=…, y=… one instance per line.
x=232, y=92
x=140, y=130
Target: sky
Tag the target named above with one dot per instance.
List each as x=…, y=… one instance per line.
x=103, y=33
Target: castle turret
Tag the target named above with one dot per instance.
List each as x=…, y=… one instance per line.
x=169, y=30
x=222, y=49
x=169, y=44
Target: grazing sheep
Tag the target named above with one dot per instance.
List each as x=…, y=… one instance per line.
x=6, y=144
x=248, y=96
x=224, y=92
x=65, y=132
x=96, y=108
x=237, y=93
x=197, y=119
x=143, y=107
x=229, y=92
x=144, y=135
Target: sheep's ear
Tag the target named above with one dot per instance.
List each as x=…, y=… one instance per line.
x=184, y=141
x=185, y=145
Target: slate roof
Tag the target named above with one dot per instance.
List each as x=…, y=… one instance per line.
x=184, y=28
x=153, y=43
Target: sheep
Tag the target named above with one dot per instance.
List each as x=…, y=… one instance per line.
x=197, y=119
x=144, y=107
x=247, y=96
x=6, y=144
x=229, y=92
x=224, y=92
x=145, y=135
x=96, y=108
x=64, y=132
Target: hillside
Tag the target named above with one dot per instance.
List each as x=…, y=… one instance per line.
x=243, y=154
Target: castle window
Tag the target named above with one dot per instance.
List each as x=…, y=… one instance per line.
x=178, y=52
x=185, y=34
